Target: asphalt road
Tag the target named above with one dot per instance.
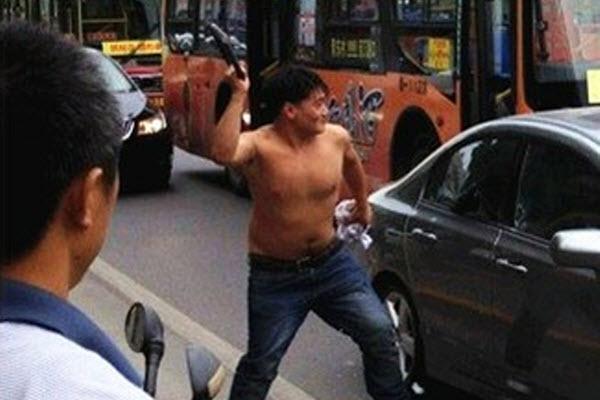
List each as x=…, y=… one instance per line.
x=187, y=245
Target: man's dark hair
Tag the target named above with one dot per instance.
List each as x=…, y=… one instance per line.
x=290, y=84
x=57, y=121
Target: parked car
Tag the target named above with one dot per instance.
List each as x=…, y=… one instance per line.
x=463, y=258
x=147, y=153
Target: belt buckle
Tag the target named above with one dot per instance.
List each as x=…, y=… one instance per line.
x=302, y=263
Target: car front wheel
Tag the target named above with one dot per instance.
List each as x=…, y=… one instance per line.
x=404, y=318
x=163, y=173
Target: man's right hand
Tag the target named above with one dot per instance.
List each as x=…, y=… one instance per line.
x=239, y=86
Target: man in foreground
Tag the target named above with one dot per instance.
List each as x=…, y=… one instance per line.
x=295, y=168
x=60, y=133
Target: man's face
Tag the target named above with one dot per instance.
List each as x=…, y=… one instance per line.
x=311, y=113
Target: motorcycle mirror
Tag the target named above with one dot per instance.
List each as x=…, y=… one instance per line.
x=142, y=327
x=134, y=327
x=145, y=334
x=206, y=372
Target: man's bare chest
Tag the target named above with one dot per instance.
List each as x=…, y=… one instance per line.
x=313, y=174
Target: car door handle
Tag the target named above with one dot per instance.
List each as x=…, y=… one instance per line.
x=393, y=235
x=504, y=263
x=424, y=237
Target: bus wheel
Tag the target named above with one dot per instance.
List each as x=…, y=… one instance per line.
x=412, y=146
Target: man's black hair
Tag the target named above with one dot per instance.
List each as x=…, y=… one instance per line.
x=57, y=121
x=290, y=84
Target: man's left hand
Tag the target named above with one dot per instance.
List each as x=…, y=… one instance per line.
x=362, y=214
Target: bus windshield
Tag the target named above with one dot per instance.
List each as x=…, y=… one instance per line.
x=431, y=48
x=111, y=20
x=566, y=43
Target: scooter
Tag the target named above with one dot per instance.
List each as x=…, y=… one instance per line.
x=145, y=334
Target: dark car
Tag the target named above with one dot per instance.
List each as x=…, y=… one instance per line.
x=147, y=153
x=462, y=258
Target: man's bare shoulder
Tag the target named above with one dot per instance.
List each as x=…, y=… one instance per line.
x=338, y=133
x=259, y=134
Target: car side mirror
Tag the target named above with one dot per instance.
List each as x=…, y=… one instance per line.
x=576, y=248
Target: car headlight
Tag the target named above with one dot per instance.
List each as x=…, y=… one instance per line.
x=152, y=125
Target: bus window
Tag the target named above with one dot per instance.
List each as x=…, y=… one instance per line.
x=48, y=13
x=419, y=11
x=180, y=9
x=13, y=9
x=566, y=53
x=235, y=23
x=350, y=42
x=502, y=58
x=425, y=41
x=230, y=15
x=354, y=10
x=306, y=28
x=442, y=11
x=573, y=30
x=179, y=21
x=144, y=19
x=102, y=20
x=364, y=10
x=101, y=9
x=410, y=10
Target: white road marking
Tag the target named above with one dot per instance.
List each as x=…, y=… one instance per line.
x=185, y=327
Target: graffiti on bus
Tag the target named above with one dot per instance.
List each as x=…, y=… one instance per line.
x=358, y=112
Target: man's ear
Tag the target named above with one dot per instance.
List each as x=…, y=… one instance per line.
x=85, y=196
x=289, y=110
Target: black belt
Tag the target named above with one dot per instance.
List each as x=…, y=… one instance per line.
x=266, y=263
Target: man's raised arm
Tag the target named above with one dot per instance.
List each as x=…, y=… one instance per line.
x=225, y=144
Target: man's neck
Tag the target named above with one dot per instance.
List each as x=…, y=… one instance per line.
x=47, y=267
x=290, y=134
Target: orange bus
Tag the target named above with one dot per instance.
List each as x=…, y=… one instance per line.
x=405, y=75
x=127, y=30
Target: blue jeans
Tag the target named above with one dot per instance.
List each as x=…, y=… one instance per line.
x=340, y=293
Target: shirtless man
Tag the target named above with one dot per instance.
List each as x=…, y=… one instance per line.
x=295, y=168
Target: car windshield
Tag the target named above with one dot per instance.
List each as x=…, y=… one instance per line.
x=115, y=78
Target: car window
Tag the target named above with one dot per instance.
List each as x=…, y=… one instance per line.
x=559, y=189
x=477, y=179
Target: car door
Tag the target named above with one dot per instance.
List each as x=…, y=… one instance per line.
x=547, y=317
x=450, y=250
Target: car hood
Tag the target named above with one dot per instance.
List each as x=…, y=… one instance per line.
x=131, y=105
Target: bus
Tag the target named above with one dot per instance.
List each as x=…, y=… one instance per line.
x=127, y=30
x=405, y=75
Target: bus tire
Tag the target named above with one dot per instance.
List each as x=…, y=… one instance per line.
x=414, y=140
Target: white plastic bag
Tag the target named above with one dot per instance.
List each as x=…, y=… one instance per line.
x=347, y=231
